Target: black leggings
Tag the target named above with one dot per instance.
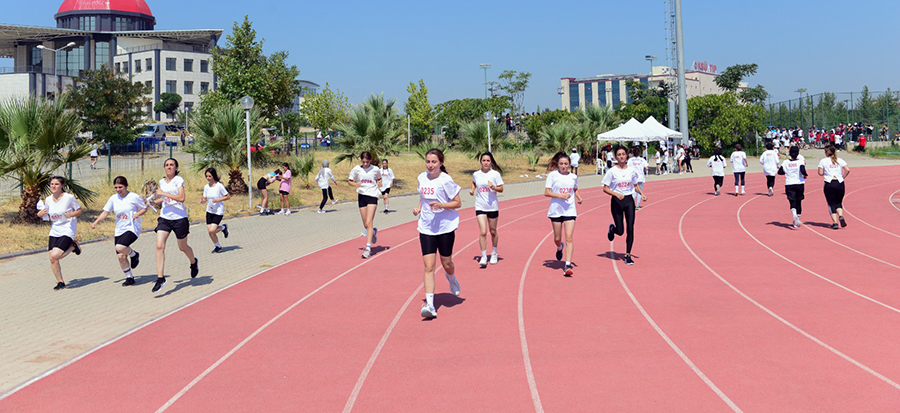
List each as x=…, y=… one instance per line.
x=834, y=195
x=739, y=177
x=717, y=182
x=687, y=165
x=770, y=181
x=623, y=208
x=326, y=193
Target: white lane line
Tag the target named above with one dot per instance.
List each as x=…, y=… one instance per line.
x=891, y=200
x=826, y=279
x=772, y=313
x=858, y=219
x=529, y=372
x=852, y=249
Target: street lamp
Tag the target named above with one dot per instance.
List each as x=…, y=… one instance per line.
x=485, y=66
x=56, y=53
x=247, y=104
x=651, y=58
x=800, y=91
x=487, y=118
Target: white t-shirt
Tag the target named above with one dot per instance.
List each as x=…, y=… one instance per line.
x=215, y=192
x=95, y=153
x=656, y=158
x=323, y=177
x=62, y=226
x=562, y=184
x=387, y=178
x=574, y=158
x=367, y=179
x=620, y=180
x=441, y=189
x=124, y=210
x=831, y=170
x=717, y=164
x=171, y=209
x=792, y=175
x=666, y=157
x=485, y=197
x=639, y=165
x=737, y=161
x=769, y=161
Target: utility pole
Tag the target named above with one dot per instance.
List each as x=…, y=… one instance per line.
x=485, y=66
x=800, y=107
x=682, y=88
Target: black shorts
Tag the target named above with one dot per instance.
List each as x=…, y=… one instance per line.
x=63, y=243
x=213, y=218
x=283, y=192
x=442, y=244
x=562, y=219
x=261, y=184
x=794, y=192
x=181, y=227
x=126, y=239
x=386, y=191
x=490, y=214
x=364, y=200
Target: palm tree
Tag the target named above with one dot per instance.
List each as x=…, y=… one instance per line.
x=592, y=121
x=37, y=137
x=221, y=141
x=559, y=137
x=373, y=126
x=473, y=138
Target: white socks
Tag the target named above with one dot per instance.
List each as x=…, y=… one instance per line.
x=484, y=252
x=429, y=299
x=128, y=273
x=493, y=252
x=736, y=189
x=217, y=245
x=368, y=246
x=132, y=253
x=568, y=263
x=742, y=189
x=794, y=213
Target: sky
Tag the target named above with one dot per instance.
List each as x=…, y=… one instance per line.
x=366, y=47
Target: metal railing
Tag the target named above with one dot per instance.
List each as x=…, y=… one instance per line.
x=39, y=70
x=168, y=46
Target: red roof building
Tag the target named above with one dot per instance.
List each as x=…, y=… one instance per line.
x=105, y=15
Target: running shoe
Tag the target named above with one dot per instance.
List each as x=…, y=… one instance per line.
x=367, y=252
x=796, y=222
x=385, y=211
x=428, y=311
x=321, y=211
x=160, y=282
x=225, y=230
x=483, y=261
x=128, y=281
x=135, y=260
x=60, y=286
x=835, y=226
x=374, y=235
x=365, y=231
x=843, y=223
x=628, y=259
x=216, y=250
x=288, y=212
x=771, y=192
x=334, y=202
x=569, y=270
x=717, y=193
x=77, y=249
x=194, y=268
x=493, y=259
x=454, y=285
x=611, y=234
x=559, y=252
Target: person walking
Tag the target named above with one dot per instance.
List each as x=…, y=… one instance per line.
x=366, y=178
x=835, y=171
x=387, y=181
x=62, y=210
x=687, y=160
x=127, y=207
x=576, y=159
x=769, y=160
x=794, y=171
x=95, y=153
x=486, y=184
x=437, y=224
x=562, y=189
x=717, y=164
x=620, y=183
x=284, y=188
x=739, y=168
x=322, y=179
x=214, y=196
x=172, y=218
x=640, y=166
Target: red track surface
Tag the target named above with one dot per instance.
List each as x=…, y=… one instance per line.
x=727, y=308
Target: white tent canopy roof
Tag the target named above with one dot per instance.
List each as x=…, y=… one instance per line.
x=654, y=126
x=632, y=131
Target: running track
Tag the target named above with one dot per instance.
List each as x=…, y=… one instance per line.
x=728, y=308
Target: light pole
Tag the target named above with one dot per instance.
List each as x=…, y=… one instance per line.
x=800, y=107
x=247, y=104
x=651, y=58
x=56, y=53
x=485, y=66
x=487, y=118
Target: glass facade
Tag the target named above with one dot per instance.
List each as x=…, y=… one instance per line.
x=137, y=65
x=70, y=61
x=615, y=93
x=101, y=54
x=601, y=93
x=37, y=59
x=573, y=96
x=588, y=94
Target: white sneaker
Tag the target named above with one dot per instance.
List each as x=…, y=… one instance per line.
x=362, y=234
x=335, y=201
x=320, y=211
x=796, y=222
x=493, y=259
x=454, y=285
x=367, y=252
x=280, y=212
x=483, y=261
x=288, y=212
x=428, y=311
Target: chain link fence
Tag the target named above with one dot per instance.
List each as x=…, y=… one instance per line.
x=826, y=110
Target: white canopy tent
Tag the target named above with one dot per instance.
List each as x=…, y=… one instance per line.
x=632, y=131
x=653, y=125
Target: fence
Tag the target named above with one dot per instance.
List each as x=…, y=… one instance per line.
x=829, y=109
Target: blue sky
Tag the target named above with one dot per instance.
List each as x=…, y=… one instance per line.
x=363, y=47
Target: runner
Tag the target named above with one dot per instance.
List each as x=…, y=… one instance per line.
x=172, y=218
x=487, y=183
x=387, y=181
x=63, y=210
x=366, y=178
x=665, y=163
x=640, y=166
x=438, y=220
x=739, y=167
x=94, y=155
x=835, y=170
x=575, y=158
x=769, y=160
x=620, y=182
x=794, y=172
x=214, y=196
x=562, y=187
x=284, y=189
x=128, y=207
x=322, y=179
x=656, y=161
x=262, y=185
x=717, y=163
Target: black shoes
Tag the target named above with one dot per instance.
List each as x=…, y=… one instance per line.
x=129, y=281
x=834, y=226
x=225, y=230
x=159, y=283
x=843, y=223
x=214, y=251
x=135, y=260
x=628, y=259
x=59, y=286
x=77, y=249
x=559, y=254
x=194, y=268
x=612, y=232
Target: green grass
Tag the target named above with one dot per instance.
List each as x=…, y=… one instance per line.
x=892, y=151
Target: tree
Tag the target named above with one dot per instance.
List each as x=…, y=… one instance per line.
x=559, y=137
x=473, y=138
x=372, y=126
x=514, y=84
x=731, y=78
x=419, y=110
x=535, y=124
x=755, y=95
x=592, y=121
x=168, y=103
x=645, y=102
x=326, y=108
x=109, y=105
x=37, y=137
x=454, y=113
x=282, y=83
x=723, y=118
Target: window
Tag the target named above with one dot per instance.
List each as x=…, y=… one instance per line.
x=125, y=67
x=188, y=88
x=148, y=83
x=573, y=96
x=601, y=93
x=204, y=87
x=171, y=85
x=588, y=95
x=101, y=54
x=188, y=65
x=118, y=68
x=149, y=63
x=137, y=66
x=170, y=63
x=121, y=24
x=615, y=93
x=204, y=66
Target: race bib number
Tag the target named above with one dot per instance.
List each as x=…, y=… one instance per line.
x=428, y=192
x=366, y=182
x=566, y=190
x=58, y=217
x=484, y=189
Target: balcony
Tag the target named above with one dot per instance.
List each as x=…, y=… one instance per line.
x=39, y=70
x=178, y=47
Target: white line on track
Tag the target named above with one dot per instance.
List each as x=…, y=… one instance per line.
x=772, y=313
x=826, y=279
x=891, y=200
x=851, y=248
x=858, y=219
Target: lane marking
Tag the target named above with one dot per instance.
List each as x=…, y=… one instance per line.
x=891, y=200
x=858, y=219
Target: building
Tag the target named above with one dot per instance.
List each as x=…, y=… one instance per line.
x=117, y=33
x=609, y=90
x=308, y=87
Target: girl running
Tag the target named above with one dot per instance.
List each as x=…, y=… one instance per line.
x=769, y=161
x=621, y=182
x=562, y=188
x=717, y=164
x=322, y=179
x=128, y=207
x=284, y=189
x=739, y=167
x=366, y=178
x=438, y=220
x=214, y=196
x=172, y=218
x=487, y=183
x=387, y=181
x=640, y=166
x=62, y=210
x=794, y=172
x=835, y=170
